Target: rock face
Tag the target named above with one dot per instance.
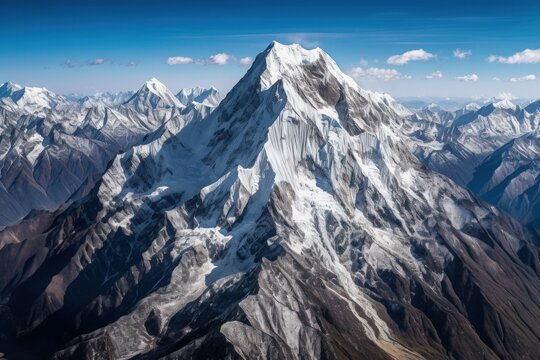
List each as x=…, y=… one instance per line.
x=291, y=222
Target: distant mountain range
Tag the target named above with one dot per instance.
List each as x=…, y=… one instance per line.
x=493, y=150
x=298, y=217
x=415, y=104
x=51, y=145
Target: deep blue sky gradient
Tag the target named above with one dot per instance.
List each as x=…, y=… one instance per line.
x=51, y=43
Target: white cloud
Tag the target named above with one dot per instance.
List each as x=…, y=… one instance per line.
x=219, y=59
x=246, y=60
x=496, y=79
x=378, y=73
x=468, y=78
x=69, y=63
x=179, y=60
x=529, y=77
x=526, y=56
x=413, y=55
x=462, y=54
x=363, y=62
x=97, y=61
x=435, y=75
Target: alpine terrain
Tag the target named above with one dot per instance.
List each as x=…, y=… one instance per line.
x=289, y=220
x=493, y=150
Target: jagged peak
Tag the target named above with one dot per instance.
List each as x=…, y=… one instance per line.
x=155, y=94
x=472, y=106
x=10, y=84
x=504, y=104
x=281, y=60
x=294, y=51
x=7, y=88
x=310, y=76
x=187, y=92
x=195, y=89
x=35, y=94
x=433, y=107
x=278, y=54
x=198, y=94
x=155, y=86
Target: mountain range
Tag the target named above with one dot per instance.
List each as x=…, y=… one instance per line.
x=298, y=217
x=50, y=145
x=492, y=150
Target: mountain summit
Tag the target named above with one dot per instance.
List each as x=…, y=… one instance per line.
x=292, y=222
x=154, y=94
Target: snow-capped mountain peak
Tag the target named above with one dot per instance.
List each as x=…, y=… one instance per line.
x=8, y=88
x=187, y=95
x=434, y=107
x=504, y=104
x=206, y=96
x=300, y=71
x=156, y=86
x=155, y=95
x=282, y=61
x=30, y=99
x=472, y=106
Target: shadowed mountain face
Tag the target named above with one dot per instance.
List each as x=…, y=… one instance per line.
x=493, y=150
x=291, y=222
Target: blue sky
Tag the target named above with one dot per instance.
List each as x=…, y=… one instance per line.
x=90, y=46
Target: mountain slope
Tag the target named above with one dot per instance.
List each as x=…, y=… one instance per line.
x=491, y=150
x=291, y=222
x=48, y=152
x=154, y=95
x=510, y=178
x=31, y=100
x=467, y=140
x=210, y=96
x=106, y=99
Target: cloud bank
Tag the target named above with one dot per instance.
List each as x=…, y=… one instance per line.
x=468, y=78
x=529, y=77
x=527, y=56
x=179, y=60
x=406, y=57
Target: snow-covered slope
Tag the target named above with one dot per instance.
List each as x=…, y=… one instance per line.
x=50, y=147
x=8, y=88
x=31, y=100
x=105, y=99
x=469, y=138
x=471, y=147
x=211, y=96
x=154, y=95
x=510, y=178
x=292, y=222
